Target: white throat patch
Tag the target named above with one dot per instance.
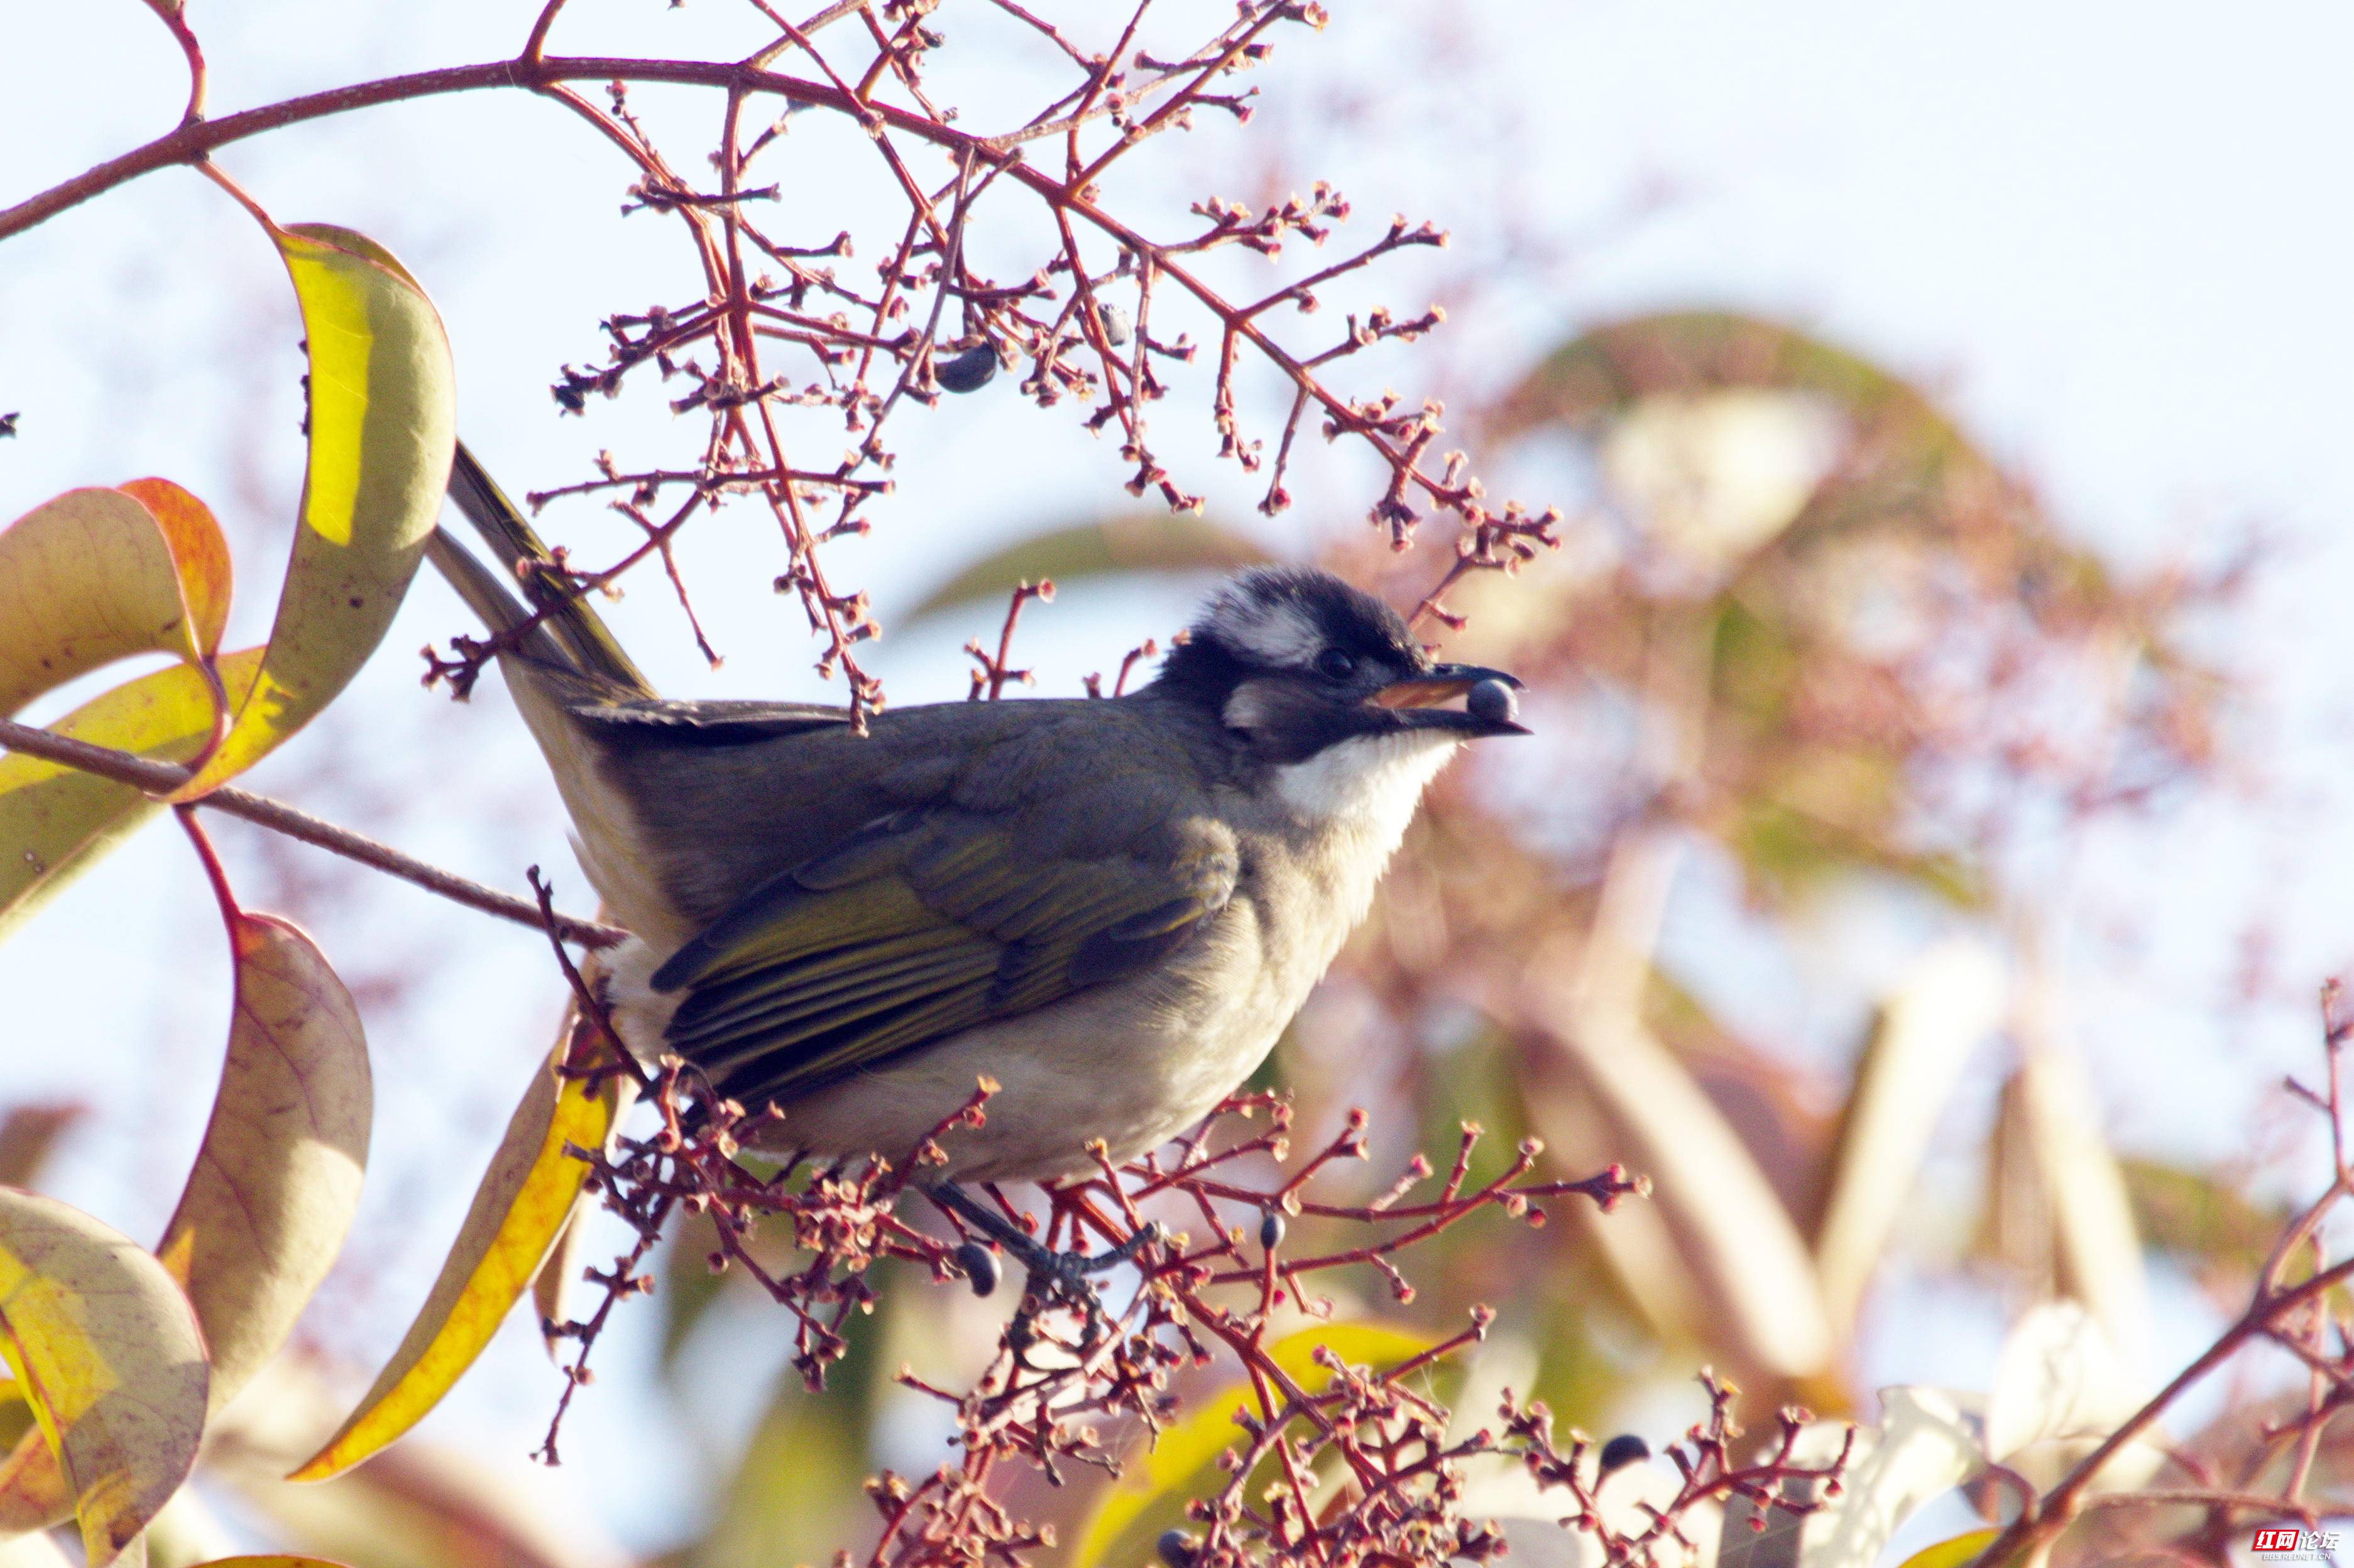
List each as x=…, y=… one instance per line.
x=1372, y=782
x=1358, y=796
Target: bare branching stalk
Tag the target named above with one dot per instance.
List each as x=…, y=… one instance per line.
x=775, y=332
x=1211, y=1286
x=161, y=777
x=2299, y=1308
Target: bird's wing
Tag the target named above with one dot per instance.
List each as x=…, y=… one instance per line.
x=662, y=722
x=922, y=925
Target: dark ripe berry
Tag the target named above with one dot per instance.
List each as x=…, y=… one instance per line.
x=1270, y=1230
x=1623, y=1450
x=1492, y=702
x=1115, y=327
x=969, y=371
x=1176, y=1549
x=979, y=1266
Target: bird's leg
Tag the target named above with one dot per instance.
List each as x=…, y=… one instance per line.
x=1053, y=1275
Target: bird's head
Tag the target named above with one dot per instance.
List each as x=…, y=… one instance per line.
x=1294, y=661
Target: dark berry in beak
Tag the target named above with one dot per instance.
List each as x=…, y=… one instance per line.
x=1491, y=701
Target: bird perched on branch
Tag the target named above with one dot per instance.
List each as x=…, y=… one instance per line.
x=1110, y=907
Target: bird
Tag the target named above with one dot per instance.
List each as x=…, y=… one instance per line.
x=1109, y=907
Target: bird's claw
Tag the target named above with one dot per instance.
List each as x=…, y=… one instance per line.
x=1053, y=1276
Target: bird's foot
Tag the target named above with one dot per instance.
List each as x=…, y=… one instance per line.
x=1053, y=1276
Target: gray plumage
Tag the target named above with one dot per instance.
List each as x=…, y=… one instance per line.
x=1112, y=908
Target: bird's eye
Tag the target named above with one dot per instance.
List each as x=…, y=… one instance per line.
x=1335, y=664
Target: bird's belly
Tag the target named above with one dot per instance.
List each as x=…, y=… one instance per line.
x=1132, y=1063
x=1085, y=1068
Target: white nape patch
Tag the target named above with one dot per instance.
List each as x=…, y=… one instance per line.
x=1278, y=633
x=1370, y=782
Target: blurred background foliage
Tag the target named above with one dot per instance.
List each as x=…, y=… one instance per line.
x=1810, y=633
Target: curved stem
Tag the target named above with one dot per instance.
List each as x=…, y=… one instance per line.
x=193, y=141
x=174, y=17
x=161, y=778
x=215, y=873
x=2042, y=1524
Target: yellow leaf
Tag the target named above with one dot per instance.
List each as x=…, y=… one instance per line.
x=108, y=1350
x=519, y=1211
x=277, y=1178
x=55, y=821
x=383, y=425
x=99, y=575
x=1190, y=1446
x=1958, y=1552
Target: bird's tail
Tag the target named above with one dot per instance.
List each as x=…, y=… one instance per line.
x=560, y=662
x=567, y=635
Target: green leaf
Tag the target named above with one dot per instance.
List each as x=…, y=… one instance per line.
x=2192, y=1213
x=57, y=821
x=88, y=578
x=108, y=1350
x=1190, y=1446
x=277, y=1178
x=1142, y=544
x=1603, y=374
x=383, y=428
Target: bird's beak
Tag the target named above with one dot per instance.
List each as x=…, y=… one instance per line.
x=1417, y=699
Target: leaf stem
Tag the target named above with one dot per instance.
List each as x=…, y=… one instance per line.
x=161, y=778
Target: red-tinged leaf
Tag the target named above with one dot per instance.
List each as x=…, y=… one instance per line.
x=99, y=575
x=277, y=1178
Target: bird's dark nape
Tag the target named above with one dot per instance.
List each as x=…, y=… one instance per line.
x=1200, y=669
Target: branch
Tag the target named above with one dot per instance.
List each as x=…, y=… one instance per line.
x=160, y=778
